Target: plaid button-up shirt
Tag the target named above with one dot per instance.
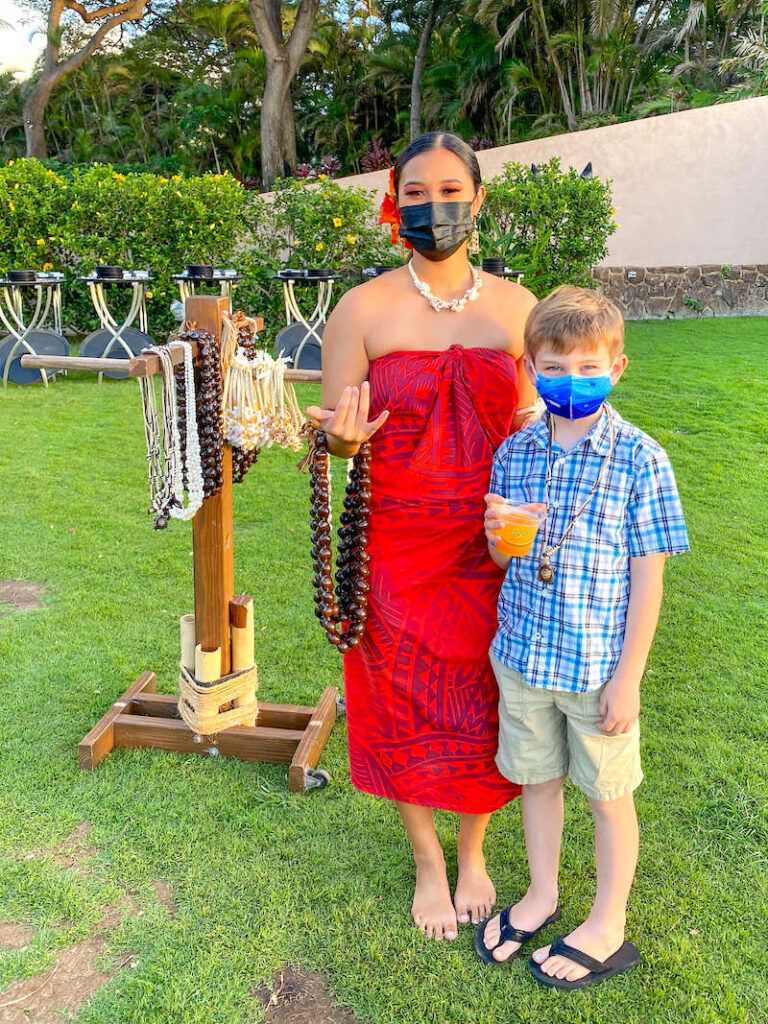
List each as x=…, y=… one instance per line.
x=568, y=635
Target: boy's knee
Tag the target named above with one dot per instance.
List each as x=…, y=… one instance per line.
x=619, y=806
x=545, y=788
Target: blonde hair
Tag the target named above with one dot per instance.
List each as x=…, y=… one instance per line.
x=570, y=318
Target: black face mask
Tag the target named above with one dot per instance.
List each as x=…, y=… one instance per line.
x=436, y=230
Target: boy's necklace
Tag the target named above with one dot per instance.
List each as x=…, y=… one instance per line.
x=546, y=573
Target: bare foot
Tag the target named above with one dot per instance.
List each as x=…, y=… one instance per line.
x=527, y=915
x=597, y=942
x=475, y=894
x=432, y=909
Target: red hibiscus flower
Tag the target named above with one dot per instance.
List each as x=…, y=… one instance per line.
x=390, y=213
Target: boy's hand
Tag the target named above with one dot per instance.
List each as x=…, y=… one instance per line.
x=619, y=706
x=493, y=521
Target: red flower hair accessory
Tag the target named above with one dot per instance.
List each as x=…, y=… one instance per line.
x=390, y=214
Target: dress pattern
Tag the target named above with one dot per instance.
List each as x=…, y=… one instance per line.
x=421, y=695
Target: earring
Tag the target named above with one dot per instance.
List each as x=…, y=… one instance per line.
x=473, y=248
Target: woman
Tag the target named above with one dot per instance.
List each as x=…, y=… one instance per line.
x=439, y=390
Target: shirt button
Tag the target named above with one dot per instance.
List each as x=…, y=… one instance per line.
x=537, y=636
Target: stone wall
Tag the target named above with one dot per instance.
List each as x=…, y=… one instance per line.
x=654, y=292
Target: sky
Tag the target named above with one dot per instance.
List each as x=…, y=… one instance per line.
x=17, y=51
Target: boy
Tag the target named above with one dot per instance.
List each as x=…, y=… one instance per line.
x=577, y=616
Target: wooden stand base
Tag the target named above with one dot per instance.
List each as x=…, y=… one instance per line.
x=283, y=734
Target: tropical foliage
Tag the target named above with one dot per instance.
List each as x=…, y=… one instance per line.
x=552, y=225
x=183, y=92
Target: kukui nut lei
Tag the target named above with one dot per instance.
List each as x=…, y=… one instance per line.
x=346, y=605
x=246, y=339
x=210, y=421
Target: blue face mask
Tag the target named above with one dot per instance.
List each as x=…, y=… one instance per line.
x=573, y=396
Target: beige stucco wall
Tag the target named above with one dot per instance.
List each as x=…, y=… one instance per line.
x=689, y=188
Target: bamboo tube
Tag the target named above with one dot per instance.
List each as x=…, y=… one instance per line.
x=207, y=665
x=187, y=623
x=242, y=642
x=242, y=648
x=241, y=611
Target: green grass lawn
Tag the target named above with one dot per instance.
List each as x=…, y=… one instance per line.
x=263, y=878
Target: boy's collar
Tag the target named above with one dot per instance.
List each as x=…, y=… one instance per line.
x=598, y=435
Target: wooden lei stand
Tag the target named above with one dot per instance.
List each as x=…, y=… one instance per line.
x=281, y=733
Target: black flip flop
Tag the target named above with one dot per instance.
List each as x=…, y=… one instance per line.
x=624, y=959
x=508, y=934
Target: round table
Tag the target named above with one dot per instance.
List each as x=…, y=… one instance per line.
x=114, y=340
x=223, y=277
x=27, y=336
x=302, y=338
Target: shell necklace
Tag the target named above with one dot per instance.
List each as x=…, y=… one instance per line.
x=455, y=305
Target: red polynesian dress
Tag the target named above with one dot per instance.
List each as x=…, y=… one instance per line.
x=421, y=695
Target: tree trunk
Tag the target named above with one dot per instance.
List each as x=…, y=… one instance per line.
x=107, y=18
x=34, y=117
x=278, y=129
x=288, y=124
x=418, y=69
x=272, y=132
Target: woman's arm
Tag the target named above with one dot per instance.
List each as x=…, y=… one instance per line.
x=519, y=309
x=346, y=393
x=345, y=361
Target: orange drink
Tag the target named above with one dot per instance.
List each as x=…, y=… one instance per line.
x=521, y=524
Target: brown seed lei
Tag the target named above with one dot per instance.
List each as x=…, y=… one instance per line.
x=210, y=419
x=246, y=339
x=348, y=606
x=181, y=411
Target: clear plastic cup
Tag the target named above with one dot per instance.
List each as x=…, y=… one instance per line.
x=521, y=524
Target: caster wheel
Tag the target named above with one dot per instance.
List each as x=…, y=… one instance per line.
x=316, y=778
x=341, y=707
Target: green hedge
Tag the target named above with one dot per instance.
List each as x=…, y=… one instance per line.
x=556, y=222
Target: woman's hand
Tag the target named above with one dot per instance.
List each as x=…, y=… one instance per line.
x=347, y=426
x=524, y=417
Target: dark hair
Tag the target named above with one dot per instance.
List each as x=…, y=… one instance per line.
x=439, y=140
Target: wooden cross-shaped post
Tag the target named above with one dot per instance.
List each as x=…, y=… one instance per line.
x=283, y=733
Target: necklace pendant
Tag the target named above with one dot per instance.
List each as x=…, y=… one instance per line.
x=546, y=573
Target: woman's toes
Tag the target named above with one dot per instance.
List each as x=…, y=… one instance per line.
x=463, y=917
x=541, y=954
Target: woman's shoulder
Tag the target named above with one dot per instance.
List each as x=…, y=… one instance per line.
x=511, y=304
x=513, y=296
x=365, y=300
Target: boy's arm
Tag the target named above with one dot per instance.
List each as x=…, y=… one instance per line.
x=501, y=560
x=620, y=699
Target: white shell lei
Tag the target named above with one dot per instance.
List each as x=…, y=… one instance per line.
x=454, y=305
x=260, y=406
x=164, y=444
x=192, y=448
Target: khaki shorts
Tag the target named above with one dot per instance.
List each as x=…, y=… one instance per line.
x=544, y=734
